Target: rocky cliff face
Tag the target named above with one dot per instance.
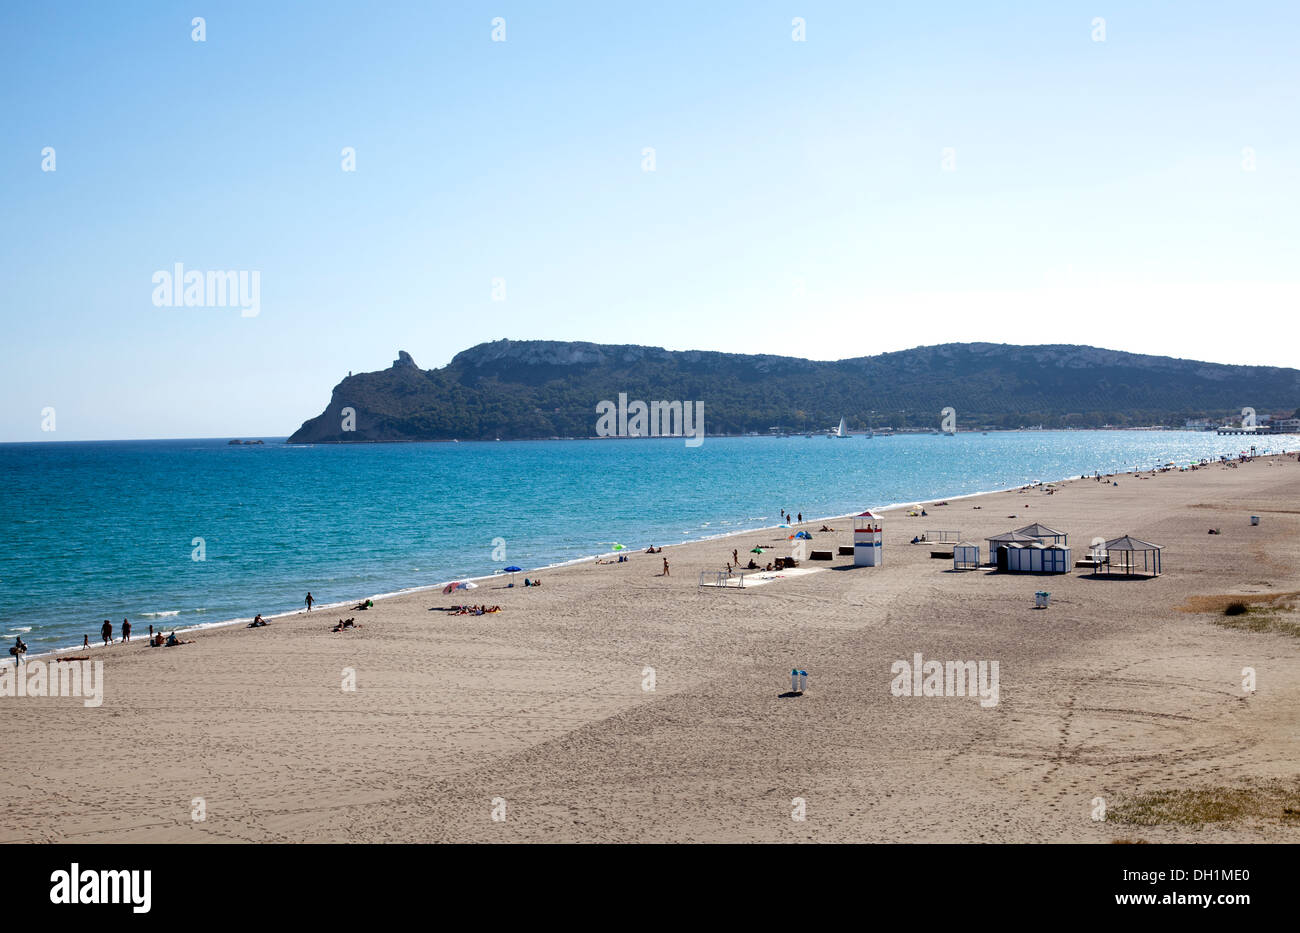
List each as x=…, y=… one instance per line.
x=543, y=388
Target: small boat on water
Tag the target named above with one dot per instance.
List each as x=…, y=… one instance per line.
x=842, y=430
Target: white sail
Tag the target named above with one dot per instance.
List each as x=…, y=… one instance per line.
x=843, y=429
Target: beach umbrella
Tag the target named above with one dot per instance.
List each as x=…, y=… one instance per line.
x=617, y=546
x=449, y=587
x=756, y=550
x=512, y=570
x=467, y=585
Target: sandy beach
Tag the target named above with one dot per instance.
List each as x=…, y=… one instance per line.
x=1120, y=691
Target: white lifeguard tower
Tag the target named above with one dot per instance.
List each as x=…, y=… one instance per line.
x=867, y=550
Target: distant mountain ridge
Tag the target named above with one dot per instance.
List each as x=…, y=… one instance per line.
x=518, y=389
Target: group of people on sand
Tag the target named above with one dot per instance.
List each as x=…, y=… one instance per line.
x=171, y=641
x=791, y=518
x=474, y=610
x=654, y=550
x=345, y=624
x=155, y=639
x=258, y=622
x=106, y=633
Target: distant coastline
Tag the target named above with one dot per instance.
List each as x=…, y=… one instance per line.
x=544, y=390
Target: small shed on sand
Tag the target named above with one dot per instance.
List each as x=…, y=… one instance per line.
x=1128, y=556
x=965, y=556
x=1044, y=534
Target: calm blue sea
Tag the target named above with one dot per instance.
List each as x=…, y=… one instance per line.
x=106, y=530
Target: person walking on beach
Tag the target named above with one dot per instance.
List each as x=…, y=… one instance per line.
x=801, y=518
x=85, y=641
x=666, y=573
x=309, y=601
x=126, y=630
x=106, y=630
x=18, y=650
x=734, y=559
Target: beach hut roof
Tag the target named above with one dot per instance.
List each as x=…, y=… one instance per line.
x=1037, y=530
x=965, y=544
x=870, y=514
x=1011, y=537
x=1130, y=543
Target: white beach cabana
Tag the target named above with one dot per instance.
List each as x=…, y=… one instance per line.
x=1127, y=556
x=1037, y=558
x=998, y=543
x=965, y=556
x=1044, y=534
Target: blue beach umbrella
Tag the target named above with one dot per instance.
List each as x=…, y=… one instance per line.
x=512, y=570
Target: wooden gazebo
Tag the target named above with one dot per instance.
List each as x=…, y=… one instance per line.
x=1128, y=556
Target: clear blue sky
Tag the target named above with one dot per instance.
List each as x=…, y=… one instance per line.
x=799, y=203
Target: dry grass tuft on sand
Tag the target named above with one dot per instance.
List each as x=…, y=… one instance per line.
x=1275, y=800
x=1274, y=613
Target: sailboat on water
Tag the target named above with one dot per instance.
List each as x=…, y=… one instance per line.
x=842, y=430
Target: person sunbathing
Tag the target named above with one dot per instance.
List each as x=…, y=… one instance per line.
x=172, y=641
x=258, y=622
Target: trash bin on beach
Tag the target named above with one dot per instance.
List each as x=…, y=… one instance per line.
x=1041, y=599
x=1254, y=519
